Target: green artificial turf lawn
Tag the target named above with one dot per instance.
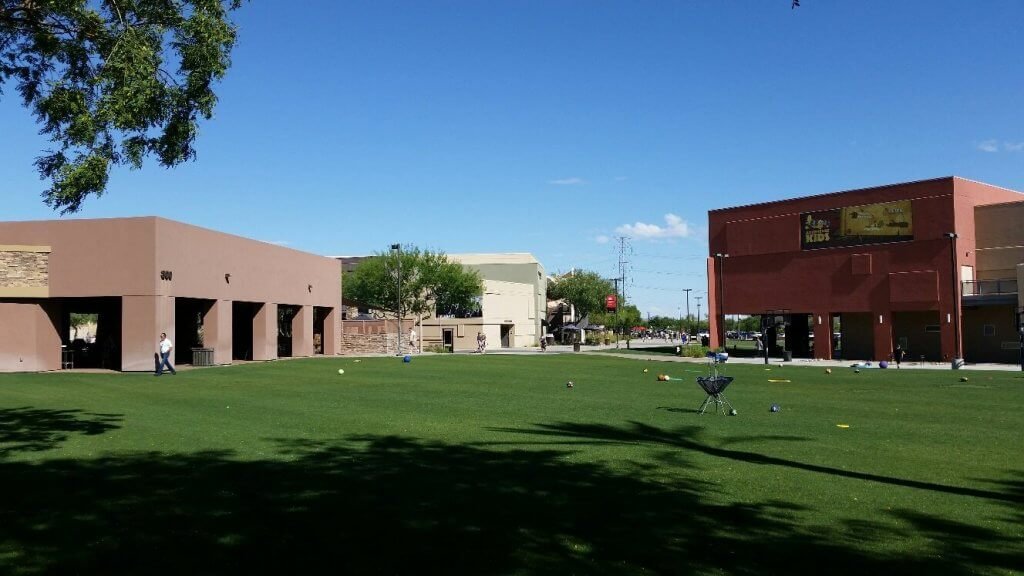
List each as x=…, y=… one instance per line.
x=483, y=465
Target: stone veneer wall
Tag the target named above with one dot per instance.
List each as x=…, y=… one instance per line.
x=24, y=269
x=360, y=337
x=363, y=344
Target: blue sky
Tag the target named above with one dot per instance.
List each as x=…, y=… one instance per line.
x=554, y=126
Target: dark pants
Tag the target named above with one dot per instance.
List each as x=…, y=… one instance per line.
x=164, y=361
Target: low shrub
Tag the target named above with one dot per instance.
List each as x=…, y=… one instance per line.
x=694, y=351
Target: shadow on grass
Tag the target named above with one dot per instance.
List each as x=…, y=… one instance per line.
x=677, y=410
x=396, y=505
x=37, y=429
x=686, y=438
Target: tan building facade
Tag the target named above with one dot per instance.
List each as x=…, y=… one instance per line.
x=992, y=296
x=240, y=298
x=512, y=308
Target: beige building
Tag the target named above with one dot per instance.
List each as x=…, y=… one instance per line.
x=512, y=307
x=992, y=297
x=244, y=299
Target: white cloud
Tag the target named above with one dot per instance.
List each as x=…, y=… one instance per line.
x=675, y=227
x=992, y=145
x=573, y=181
x=278, y=242
x=988, y=146
x=602, y=239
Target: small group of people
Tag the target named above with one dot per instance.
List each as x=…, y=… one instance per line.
x=481, y=343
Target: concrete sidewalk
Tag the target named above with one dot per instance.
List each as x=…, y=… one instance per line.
x=637, y=347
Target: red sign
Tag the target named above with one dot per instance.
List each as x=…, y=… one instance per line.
x=609, y=302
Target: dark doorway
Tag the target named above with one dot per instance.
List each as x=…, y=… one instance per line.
x=448, y=339
x=285, y=315
x=857, y=338
x=774, y=329
x=98, y=342
x=506, y=335
x=319, y=317
x=919, y=334
x=188, y=327
x=836, y=335
x=799, y=335
x=990, y=334
x=243, y=314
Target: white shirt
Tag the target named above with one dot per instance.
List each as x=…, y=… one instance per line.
x=165, y=345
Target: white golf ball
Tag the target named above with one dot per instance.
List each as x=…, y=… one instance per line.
x=341, y=370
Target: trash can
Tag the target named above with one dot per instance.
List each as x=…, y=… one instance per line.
x=202, y=356
x=787, y=355
x=575, y=346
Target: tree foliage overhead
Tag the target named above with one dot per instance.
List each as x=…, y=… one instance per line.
x=584, y=289
x=627, y=317
x=429, y=281
x=113, y=81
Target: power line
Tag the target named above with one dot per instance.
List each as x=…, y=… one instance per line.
x=659, y=289
x=623, y=263
x=664, y=273
x=692, y=257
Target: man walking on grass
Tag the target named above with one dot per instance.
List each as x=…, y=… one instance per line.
x=165, y=352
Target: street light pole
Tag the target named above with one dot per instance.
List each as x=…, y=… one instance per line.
x=398, y=249
x=721, y=298
x=687, y=290
x=698, y=299
x=957, y=355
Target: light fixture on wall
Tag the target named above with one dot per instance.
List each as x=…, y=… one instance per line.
x=227, y=278
x=309, y=288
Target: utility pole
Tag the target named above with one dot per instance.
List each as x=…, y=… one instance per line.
x=623, y=247
x=617, y=304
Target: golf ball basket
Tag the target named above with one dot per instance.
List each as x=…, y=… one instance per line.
x=715, y=383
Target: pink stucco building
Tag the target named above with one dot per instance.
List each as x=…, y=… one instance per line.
x=246, y=300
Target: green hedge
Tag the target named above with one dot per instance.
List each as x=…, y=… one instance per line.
x=693, y=351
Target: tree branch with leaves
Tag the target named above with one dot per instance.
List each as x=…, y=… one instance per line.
x=113, y=81
x=584, y=289
x=430, y=282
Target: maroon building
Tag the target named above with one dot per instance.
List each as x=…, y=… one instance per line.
x=853, y=274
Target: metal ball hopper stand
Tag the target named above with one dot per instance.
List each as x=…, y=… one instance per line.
x=714, y=384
